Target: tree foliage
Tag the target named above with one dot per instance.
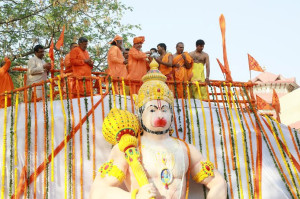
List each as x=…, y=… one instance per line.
x=26, y=23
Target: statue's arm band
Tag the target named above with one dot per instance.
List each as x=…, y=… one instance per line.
x=108, y=168
x=207, y=169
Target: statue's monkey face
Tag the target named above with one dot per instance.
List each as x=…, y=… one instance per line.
x=157, y=116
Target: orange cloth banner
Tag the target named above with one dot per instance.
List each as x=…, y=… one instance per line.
x=253, y=64
x=60, y=41
x=262, y=104
x=275, y=102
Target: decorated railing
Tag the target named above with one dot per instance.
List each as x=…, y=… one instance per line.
x=53, y=144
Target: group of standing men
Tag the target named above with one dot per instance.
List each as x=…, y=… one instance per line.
x=180, y=67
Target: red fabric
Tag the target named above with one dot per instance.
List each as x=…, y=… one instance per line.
x=262, y=104
x=275, y=102
x=253, y=64
x=60, y=41
x=226, y=65
x=6, y=82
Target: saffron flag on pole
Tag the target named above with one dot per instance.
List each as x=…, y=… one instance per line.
x=275, y=102
x=221, y=66
x=60, y=41
x=262, y=104
x=226, y=65
x=253, y=64
x=51, y=53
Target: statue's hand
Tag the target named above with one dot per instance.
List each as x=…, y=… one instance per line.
x=146, y=192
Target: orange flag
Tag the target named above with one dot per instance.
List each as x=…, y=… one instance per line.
x=262, y=104
x=221, y=66
x=275, y=102
x=253, y=64
x=226, y=65
x=51, y=53
x=60, y=41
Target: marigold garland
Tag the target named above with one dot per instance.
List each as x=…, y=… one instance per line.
x=35, y=143
x=109, y=91
x=11, y=145
x=65, y=136
x=46, y=176
x=16, y=142
x=119, y=95
x=52, y=130
x=177, y=103
x=244, y=141
x=28, y=139
x=234, y=142
x=271, y=151
x=297, y=139
x=4, y=147
x=291, y=134
x=198, y=125
x=187, y=123
x=93, y=130
x=114, y=93
x=87, y=121
x=191, y=114
x=124, y=93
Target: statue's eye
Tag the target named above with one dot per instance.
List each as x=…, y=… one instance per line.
x=152, y=110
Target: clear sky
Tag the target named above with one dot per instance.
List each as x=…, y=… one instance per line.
x=269, y=30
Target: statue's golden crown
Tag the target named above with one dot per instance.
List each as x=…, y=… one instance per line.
x=154, y=87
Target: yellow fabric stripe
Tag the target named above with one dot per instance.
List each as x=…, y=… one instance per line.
x=244, y=145
x=191, y=114
x=52, y=130
x=288, y=151
x=235, y=141
x=16, y=141
x=4, y=146
x=124, y=93
x=204, y=120
x=65, y=136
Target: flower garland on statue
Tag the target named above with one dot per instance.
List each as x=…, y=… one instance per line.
x=87, y=120
x=267, y=144
x=221, y=137
x=15, y=143
x=187, y=116
x=70, y=141
x=11, y=145
x=245, y=144
x=29, y=138
x=178, y=109
x=233, y=141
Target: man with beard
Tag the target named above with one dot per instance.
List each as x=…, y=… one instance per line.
x=165, y=61
x=182, y=63
x=165, y=159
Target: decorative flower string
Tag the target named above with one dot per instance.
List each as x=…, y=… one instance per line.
x=93, y=129
x=73, y=148
x=198, y=125
x=297, y=139
x=29, y=139
x=234, y=149
x=4, y=147
x=178, y=109
x=222, y=128
x=244, y=141
x=288, y=151
x=119, y=95
x=16, y=142
x=101, y=94
x=187, y=115
x=124, y=93
x=283, y=155
x=65, y=136
x=80, y=137
x=291, y=134
x=109, y=91
x=131, y=98
x=114, y=93
x=46, y=176
x=204, y=120
x=35, y=142
x=52, y=130
x=212, y=127
x=271, y=151
x=11, y=145
x=87, y=120
x=70, y=141
x=191, y=114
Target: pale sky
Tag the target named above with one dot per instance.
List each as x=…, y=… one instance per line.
x=269, y=30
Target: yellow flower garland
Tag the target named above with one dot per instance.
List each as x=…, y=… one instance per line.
x=191, y=113
x=235, y=141
x=204, y=120
x=15, y=141
x=65, y=136
x=124, y=93
x=4, y=146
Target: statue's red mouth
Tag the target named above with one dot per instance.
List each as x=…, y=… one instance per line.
x=160, y=122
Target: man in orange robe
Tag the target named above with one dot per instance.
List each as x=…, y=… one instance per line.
x=67, y=62
x=6, y=83
x=116, y=62
x=182, y=63
x=165, y=61
x=82, y=65
x=137, y=61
